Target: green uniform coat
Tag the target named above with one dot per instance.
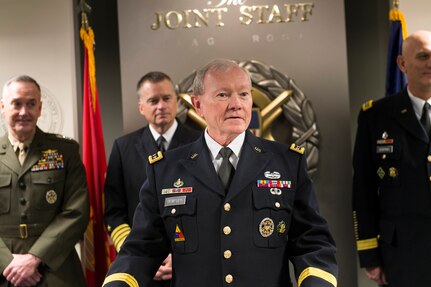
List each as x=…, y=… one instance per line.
x=48, y=198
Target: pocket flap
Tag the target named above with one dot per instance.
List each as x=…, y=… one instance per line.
x=5, y=180
x=184, y=208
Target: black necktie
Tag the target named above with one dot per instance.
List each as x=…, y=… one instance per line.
x=226, y=170
x=425, y=119
x=161, y=143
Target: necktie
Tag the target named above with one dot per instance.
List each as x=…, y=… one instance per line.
x=161, y=143
x=22, y=152
x=425, y=119
x=226, y=170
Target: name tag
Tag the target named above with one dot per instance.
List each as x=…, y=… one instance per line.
x=385, y=149
x=175, y=200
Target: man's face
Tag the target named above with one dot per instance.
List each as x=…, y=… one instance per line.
x=21, y=107
x=226, y=103
x=158, y=104
x=416, y=62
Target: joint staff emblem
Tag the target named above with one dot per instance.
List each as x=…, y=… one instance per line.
x=266, y=227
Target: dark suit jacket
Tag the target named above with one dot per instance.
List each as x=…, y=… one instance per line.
x=48, y=197
x=126, y=174
x=245, y=238
x=391, y=191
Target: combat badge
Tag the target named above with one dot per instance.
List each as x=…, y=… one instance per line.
x=281, y=227
x=272, y=175
x=266, y=227
x=179, y=236
x=51, y=196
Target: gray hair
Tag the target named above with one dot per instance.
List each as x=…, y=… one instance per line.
x=215, y=65
x=20, y=78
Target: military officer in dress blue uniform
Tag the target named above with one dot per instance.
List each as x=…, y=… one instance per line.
x=126, y=168
x=44, y=207
x=232, y=208
x=392, y=176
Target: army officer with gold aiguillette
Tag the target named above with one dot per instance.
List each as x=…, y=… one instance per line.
x=44, y=206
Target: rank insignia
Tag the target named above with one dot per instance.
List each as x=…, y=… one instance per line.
x=281, y=227
x=272, y=175
x=367, y=105
x=51, y=196
x=297, y=148
x=380, y=172
x=50, y=159
x=155, y=157
x=393, y=172
x=178, y=236
x=177, y=190
x=274, y=183
x=266, y=227
x=178, y=183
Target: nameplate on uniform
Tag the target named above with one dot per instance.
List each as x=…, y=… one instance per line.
x=385, y=149
x=175, y=200
x=274, y=183
x=177, y=190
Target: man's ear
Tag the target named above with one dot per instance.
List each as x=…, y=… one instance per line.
x=401, y=63
x=196, y=104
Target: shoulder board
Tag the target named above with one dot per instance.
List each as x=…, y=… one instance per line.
x=155, y=157
x=61, y=138
x=297, y=148
x=367, y=105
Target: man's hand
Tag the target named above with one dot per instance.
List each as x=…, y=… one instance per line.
x=22, y=271
x=165, y=270
x=376, y=274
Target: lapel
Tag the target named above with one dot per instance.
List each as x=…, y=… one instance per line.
x=405, y=115
x=146, y=144
x=177, y=139
x=198, y=163
x=253, y=159
x=8, y=156
x=35, y=151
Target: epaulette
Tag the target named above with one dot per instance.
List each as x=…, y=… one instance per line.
x=296, y=148
x=367, y=105
x=61, y=138
x=155, y=157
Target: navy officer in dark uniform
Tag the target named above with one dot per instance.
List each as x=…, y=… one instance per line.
x=126, y=169
x=392, y=176
x=232, y=208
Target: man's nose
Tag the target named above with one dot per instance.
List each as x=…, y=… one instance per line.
x=235, y=101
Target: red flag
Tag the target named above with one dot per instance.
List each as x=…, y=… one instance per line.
x=96, y=254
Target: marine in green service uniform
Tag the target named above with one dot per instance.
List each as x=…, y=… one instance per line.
x=44, y=207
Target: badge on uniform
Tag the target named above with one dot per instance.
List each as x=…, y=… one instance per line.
x=51, y=196
x=50, y=159
x=380, y=172
x=281, y=227
x=385, y=144
x=178, y=236
x=272, y=175
x=266, y=227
